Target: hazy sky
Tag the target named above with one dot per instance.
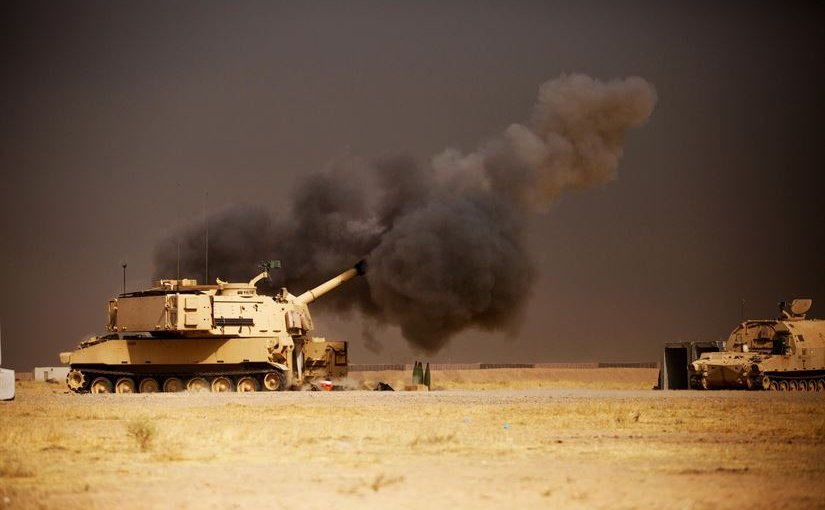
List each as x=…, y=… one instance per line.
x=118, y=117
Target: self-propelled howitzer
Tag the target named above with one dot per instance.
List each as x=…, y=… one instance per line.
x=180, y=336
x=786, y=353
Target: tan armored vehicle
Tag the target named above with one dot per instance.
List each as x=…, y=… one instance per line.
x=783, y=354
x=225, y=337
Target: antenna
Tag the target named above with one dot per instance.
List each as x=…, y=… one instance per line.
x=206, y=246
x=178, y=273
x=177, y=227
x=742, y=312
x=123, y=264
x=1, y=343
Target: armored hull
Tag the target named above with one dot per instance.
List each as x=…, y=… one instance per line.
x=784, y=354
x=226, y=337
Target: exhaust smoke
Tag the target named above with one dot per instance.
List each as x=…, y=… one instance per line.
x=444, y=242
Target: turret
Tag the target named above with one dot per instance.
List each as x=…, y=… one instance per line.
x=184, y=308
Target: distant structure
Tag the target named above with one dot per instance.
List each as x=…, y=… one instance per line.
x=50, y=374
x=673, y=374
x=6, y=377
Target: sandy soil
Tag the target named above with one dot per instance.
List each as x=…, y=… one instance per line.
x=556, y=447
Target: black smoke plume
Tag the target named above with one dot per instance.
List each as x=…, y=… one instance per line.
x=445, y=242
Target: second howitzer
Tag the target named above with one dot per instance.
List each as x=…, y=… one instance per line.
x=180, y=335
x=786, y=353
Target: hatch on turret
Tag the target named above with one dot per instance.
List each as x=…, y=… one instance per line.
x=801, y=306
x=796, y=309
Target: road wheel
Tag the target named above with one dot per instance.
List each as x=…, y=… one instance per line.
x=811, y=385
x=820, y=385
x=792, y=386
x=75, y=380
x=197, y=384
x=765, y=383
x=125, y=385
x=149, y=385
x=101, y=385
x=783, y=385
x=173, y=385
x=703, y=383
x=275, y=381
x=801, y=386
x=221, y=384
x=774, y=386
x=246, y=384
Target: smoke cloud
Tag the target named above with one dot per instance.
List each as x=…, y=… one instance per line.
x=444, y=242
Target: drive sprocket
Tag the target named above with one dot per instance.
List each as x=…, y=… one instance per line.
x=76, y=380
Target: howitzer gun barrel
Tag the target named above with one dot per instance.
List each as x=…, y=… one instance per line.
x=313, y=294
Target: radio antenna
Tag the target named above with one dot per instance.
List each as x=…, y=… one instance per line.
x=177, y=227
x=206, y=246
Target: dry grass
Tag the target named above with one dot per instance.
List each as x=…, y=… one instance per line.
x=566, y=448
x=13, y=466
x=143, y=432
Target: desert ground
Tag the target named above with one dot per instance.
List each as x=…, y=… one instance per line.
x=533, y=438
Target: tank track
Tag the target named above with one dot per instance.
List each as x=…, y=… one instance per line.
x=783, y=381
x=776, y=381
x=102, y=380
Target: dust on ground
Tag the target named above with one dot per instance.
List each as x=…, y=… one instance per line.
x=555, y=447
